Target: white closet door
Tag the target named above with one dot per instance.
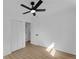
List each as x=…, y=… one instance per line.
x=18, y=35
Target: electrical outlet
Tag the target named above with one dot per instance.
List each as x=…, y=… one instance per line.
x=37, y=34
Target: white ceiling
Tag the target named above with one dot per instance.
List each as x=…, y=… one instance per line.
x=12, y=8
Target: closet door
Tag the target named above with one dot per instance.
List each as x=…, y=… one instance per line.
x=18, y=35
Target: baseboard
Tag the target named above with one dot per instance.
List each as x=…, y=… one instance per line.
x=6, y=54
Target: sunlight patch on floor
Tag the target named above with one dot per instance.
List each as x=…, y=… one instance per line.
x=53, y=52
x=51, y=49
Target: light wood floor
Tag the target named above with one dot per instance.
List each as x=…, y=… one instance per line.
x=37, y=52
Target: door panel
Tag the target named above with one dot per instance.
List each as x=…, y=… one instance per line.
x=18, y=35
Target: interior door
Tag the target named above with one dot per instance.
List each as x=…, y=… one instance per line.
x=27, y=31
x=18, y=35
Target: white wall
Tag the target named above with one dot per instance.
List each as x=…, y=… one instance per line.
x=56, y=25
x=6, y=37
x=12, y=14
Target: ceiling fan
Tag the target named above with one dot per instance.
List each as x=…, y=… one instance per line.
x=34, y=8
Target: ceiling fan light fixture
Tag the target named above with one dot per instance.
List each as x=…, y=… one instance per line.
x=33, y=11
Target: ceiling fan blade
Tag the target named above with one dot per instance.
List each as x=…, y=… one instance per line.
x=25, y=6
x=34, y=14
x=26, y=12
x=38, y=4
x=40, y=10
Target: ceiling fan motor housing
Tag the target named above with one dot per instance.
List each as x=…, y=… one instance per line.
x=32, y=3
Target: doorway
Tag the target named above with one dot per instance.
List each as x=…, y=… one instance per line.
x=27, y=33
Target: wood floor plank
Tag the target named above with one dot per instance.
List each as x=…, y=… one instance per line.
x=37, y=52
